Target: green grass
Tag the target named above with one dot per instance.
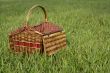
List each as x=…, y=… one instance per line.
x=87, y=26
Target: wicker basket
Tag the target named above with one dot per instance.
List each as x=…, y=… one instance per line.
x=45, y=37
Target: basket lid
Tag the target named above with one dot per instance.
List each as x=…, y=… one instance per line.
x=21, y=29
x=47, y=28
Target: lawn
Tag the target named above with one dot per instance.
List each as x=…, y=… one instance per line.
x=87, y=27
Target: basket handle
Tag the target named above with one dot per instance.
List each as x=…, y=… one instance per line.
x=30, y=12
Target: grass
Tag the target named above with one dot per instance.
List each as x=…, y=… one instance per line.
x=87, y=26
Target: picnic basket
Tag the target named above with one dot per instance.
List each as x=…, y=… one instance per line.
x=45, y=37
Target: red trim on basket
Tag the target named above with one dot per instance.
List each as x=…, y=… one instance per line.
x=27, y=44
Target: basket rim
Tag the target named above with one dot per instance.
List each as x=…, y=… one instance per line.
x=32, y=28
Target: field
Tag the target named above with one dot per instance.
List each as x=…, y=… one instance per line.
x=87, y=27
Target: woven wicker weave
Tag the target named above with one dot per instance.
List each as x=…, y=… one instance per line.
x=45, y=37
